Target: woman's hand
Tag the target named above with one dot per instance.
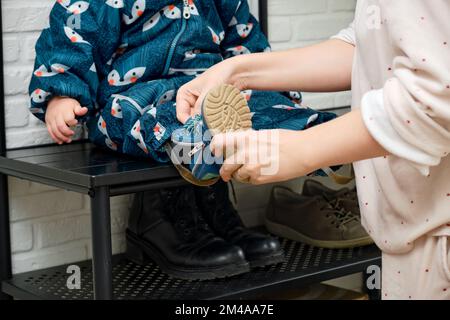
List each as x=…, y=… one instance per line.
x=60, y=115
x=260, y=157
x=268, y=156
x=191, y=95
x=323, y=67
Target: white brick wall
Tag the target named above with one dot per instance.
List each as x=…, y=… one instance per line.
x=51, y=227
x=298, y=23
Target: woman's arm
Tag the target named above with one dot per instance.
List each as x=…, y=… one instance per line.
x=319, y=68
x=325, y=67
x=279, y=155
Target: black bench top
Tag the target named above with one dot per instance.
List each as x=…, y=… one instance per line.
x=82, y=165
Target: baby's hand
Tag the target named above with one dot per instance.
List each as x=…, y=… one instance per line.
x=60, y=115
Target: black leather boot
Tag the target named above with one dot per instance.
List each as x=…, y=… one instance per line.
x=214, y=203
x=167, y=227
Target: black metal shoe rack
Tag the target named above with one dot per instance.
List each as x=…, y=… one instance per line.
x=81, y=167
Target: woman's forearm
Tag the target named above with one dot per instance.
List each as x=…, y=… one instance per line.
x=343, y=140
x=324, y=67
x=271, y=156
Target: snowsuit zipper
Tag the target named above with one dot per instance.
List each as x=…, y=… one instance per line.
x=173, y=45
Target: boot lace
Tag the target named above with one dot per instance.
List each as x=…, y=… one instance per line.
x=221, y=214
x=339, y=216
x=338, y=198
x=185, y=216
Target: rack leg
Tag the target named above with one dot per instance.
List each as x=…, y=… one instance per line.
x=5, y=239
x=101, y=244
x=263, y=16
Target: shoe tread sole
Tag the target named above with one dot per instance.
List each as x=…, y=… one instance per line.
x=267, y=260
x=225, y=109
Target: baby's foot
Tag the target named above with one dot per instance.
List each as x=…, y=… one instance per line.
x=224, y=109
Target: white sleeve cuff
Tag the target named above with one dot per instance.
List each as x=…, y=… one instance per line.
x=379, y=125
x=346, y=35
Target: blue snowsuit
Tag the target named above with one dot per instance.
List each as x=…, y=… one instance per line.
x=126, y=59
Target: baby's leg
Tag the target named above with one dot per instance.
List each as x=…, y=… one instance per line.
x=274, y=110
x=420, y=274
x=140, y=120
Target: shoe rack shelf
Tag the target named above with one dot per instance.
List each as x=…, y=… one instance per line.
x=304, y=265
x=82, y=168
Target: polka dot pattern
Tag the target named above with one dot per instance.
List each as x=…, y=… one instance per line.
x=396, y=215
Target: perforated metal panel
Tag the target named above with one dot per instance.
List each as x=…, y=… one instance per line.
x=304, y=265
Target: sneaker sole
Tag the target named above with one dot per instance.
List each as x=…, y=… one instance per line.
x=142, y=253
x=268, y=260
x=289, y=233
x=225, y=109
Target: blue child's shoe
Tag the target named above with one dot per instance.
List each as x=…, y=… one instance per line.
x=224, y=109
x=189, y=152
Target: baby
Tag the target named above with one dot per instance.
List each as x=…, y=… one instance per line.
x=116, y=65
